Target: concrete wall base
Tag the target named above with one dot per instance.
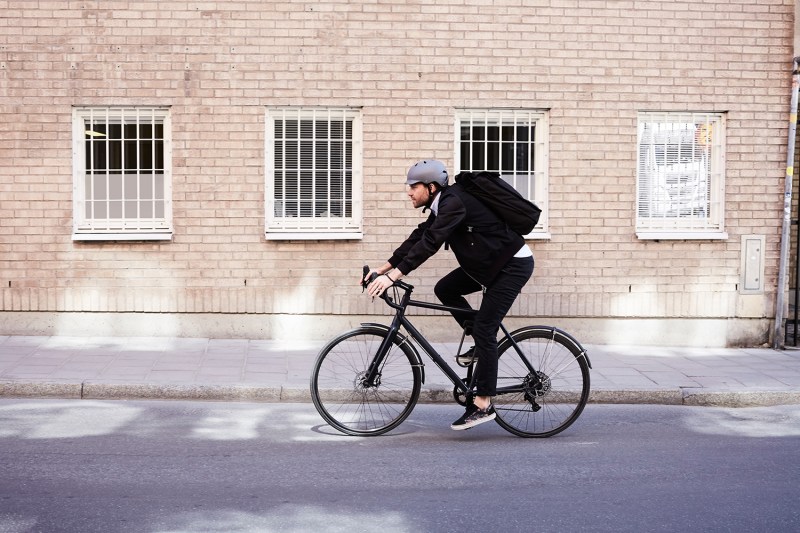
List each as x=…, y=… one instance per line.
x=698, y=332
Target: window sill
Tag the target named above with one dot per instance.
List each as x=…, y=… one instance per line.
x=542, y=236
x=122, y=236
x=682, y=235
x=312, y=236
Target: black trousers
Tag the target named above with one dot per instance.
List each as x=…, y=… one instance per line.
x=497, y=300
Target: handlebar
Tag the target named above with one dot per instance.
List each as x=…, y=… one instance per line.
x=404, y=300
x=385, y=296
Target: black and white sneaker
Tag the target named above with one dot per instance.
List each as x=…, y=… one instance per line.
x=473, y=417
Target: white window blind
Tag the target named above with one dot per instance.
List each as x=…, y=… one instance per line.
x=313, y=187
x=680, y=175
x=122, y=185
x=510, y=142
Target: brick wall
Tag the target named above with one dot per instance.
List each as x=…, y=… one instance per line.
x=408, y=64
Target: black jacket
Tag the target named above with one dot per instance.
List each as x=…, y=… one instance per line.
x=481, y=242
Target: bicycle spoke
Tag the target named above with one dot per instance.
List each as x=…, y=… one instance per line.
x=546, y=401
x=352, y=403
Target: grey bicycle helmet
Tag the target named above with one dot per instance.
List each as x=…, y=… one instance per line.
x=427, y=171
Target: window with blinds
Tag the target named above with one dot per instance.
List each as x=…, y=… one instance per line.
x=680, y=175
x=313, y=187
x=510, y=142
x=122, y=185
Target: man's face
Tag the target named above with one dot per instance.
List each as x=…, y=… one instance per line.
x=419, y=194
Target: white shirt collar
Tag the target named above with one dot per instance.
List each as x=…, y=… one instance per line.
x=435, y=203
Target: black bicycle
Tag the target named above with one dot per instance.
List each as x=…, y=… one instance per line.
x=367, y=381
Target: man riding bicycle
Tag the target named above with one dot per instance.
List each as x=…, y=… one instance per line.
x=491, y=258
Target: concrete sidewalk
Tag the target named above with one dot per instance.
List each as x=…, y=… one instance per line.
x=268, y=370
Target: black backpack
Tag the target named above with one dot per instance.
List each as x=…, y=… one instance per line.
x=519, y=214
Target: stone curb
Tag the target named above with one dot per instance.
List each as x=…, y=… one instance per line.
x=133, y=391
x=90, y=390
x=15, y=389
x=643, y=396
x=749, y=398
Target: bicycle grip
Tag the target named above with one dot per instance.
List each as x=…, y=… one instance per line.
x=364, y=281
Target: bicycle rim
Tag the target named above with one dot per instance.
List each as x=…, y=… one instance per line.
x=548, y=400
x=339, y=392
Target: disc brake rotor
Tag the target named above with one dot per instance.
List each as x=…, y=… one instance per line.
x=536, y=387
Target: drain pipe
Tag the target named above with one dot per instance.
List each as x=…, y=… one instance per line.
x=779, y=334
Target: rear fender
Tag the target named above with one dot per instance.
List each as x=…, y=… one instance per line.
x=566, y=337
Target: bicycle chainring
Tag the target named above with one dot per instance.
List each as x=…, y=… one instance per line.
x=460, y=397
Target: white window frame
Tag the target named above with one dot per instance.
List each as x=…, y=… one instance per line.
x=281, y=219
x=102, y=201
x=532, y=183
x=680, y=175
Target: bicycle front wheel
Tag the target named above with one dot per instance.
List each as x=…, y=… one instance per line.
x=542, y=390
x=344, y=398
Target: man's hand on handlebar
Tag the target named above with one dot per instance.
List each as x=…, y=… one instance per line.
x=377, y=281
x=379, y=285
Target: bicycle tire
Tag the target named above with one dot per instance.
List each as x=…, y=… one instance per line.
x=551, y=406
x=341, y=398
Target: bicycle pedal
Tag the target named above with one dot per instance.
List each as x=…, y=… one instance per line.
x=466, y=359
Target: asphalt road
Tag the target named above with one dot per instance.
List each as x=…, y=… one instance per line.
x=153, y=466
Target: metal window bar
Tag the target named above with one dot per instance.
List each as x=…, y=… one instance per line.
x=680, y=171
x=486, y=120
x=313, y=191
x=120, y=205
x=282, y=165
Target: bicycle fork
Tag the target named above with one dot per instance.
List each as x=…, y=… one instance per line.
x=372, y=377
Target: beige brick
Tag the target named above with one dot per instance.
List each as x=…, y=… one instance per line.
x=220, y=64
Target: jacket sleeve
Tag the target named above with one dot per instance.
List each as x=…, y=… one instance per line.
x=430, y=235
x=401, y=252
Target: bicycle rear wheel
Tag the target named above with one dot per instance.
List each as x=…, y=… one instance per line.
x=544, y=390
x=342, y=396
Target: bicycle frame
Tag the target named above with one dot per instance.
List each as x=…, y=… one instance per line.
x=367, y=380
x=400, y=320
